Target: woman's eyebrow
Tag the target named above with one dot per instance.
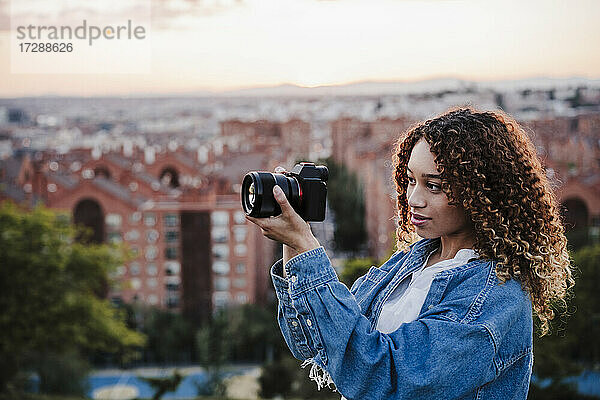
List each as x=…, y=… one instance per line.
x=434, y=176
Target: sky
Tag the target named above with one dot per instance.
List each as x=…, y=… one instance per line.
x=220, y=45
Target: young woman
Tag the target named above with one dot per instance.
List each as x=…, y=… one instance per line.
x=448, y=316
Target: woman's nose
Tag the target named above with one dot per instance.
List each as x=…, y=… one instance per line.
x=416, y=198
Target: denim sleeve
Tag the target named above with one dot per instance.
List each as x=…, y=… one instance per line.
x=431, y=357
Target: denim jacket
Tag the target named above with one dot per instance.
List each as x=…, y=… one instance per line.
x=473, y=338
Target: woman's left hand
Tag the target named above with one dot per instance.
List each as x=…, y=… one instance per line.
x=288, y=228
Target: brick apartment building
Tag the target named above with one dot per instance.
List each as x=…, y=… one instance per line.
x=178, y=211
x=366, y=148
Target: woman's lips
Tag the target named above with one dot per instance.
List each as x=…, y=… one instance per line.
x=418, y=221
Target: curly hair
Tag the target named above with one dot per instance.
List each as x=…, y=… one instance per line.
x=488, y=164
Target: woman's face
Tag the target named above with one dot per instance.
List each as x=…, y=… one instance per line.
x=425, y=197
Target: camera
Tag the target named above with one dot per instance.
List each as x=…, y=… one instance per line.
x=305, y=188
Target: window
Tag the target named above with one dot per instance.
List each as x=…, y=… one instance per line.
x=151, y=253
x=222, y=283
x=172, y=268
x=221, y=267
x=135, y=217
x=87, y=173
x=172, y=283
x=240, y=249
x=136, y=284
x=221, y=299
x=135, y=251
x=152, y=235
x=173, y=301
x=114, y=237
x=149, y=219
x=220, y=218
x=220, y=251
x=121, y=270
x=239, y=232
x=134, y=268
x=152, y=282
x=151, y=269
x=153, y=299
x=220, y=234
x=171, y=220
x=239, y=217
x=242, y=298
x=240, y=268
x=171, y=236
x=239, y=283
x=171, y=253
x=116, y=300
x=132, y=235
x=113, y=220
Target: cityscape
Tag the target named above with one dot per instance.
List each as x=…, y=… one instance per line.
x=140, y=141
x=162, y=175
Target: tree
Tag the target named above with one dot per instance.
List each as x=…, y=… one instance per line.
x=346, y=200
x=170, y=336
x=49, y=287
x=255, y=333
x=355, y=268
x=213, y=344
x=573, y=343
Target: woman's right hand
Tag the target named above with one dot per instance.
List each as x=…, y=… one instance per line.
x=288, y=228
x=288, y=252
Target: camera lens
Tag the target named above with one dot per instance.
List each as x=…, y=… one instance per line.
x=257, y=193
x=251, y=195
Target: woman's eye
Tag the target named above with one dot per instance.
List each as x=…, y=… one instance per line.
x=433, y=186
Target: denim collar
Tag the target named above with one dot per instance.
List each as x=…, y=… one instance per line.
x=424, y=247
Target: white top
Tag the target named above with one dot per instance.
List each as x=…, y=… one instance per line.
x=405, y=302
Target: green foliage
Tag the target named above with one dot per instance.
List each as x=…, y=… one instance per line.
x=345, y=197
x=49, y=286
x=254, y=333
x=213, y=345
x=246, y=333
x=62, y=373
x=579, y=238
x=213, y=341
x=170, y=335
x=573, y=343
x=276, y=378
x=355, y=268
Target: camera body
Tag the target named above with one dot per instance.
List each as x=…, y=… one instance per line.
x=305, y=188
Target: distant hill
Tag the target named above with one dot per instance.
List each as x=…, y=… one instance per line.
x=374, y=88
x=371, y=88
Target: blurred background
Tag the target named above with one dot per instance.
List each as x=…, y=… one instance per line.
x=127, y=268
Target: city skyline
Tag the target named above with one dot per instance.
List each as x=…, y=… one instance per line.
x=218, y=46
